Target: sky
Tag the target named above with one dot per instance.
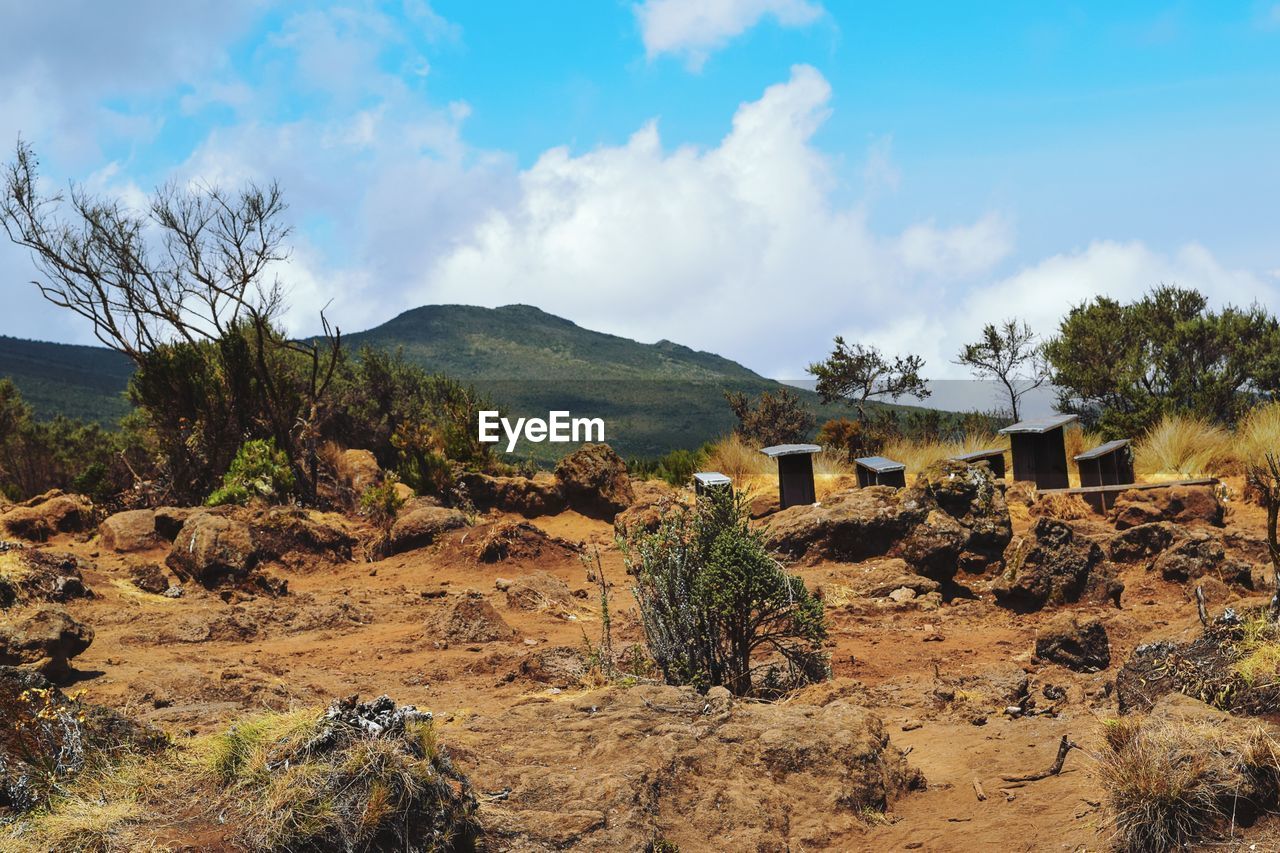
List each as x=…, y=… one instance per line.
x=747, y=177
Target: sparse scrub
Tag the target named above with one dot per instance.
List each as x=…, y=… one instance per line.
x=357, y=777
x=713, y=602
x=1172, y=782
x=1180, y=447
x=259, y=471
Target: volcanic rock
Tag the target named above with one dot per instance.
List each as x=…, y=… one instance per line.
x=132, y=530
x=594, y=481
x=1076, y=641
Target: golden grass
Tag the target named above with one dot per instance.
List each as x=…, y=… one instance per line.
x=1258, y=434
x=1180, y=447
x=749, y=469
x=1170, y=783
x=919, y=455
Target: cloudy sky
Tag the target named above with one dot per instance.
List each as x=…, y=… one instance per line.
x=750, y=177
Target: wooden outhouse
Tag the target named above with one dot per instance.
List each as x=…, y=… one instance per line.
x=879, y=471
x=795, y=473
x=1040, y=451
x=1109, y=464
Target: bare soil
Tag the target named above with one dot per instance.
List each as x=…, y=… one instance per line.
x=553, y=775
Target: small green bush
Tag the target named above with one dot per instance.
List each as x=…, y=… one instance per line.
x=259, y=470
x=717, y=609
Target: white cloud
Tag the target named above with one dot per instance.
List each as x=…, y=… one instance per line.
x=740, y=248
x=695, y=28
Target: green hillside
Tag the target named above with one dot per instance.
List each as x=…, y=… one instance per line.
x=64, y=379
x=652, y=397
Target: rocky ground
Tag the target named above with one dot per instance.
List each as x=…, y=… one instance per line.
x=970, y=631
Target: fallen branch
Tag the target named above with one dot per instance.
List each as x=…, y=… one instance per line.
x=1201, y=610
x=1064, y=746
x=977, y=789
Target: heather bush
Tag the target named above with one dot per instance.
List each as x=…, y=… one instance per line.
x=717, y=609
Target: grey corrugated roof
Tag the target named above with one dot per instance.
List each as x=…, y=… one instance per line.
x=1040, y=425
x=789, y=449
x=880, y=464
x=1102, y=449
x=712, y=478
x=978, y=454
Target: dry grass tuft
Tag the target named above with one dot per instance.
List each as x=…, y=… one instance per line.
x=1065, y=507
x=1171, y=782
x=1258, y=434
x=1180, y=447
x=919, y=455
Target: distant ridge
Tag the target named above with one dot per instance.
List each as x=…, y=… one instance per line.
x=653, y=397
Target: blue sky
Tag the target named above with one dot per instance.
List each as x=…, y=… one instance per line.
x=699, y=170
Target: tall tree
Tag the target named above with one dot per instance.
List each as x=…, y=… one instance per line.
x=1123, y=366
x=194, y=270
x=1010, y=354
x=857, y=373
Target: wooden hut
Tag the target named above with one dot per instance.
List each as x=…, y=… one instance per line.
x=1040, y=451
x=1109, y=464
x=795, y=473
x=704, y=481
x=993, y=458
x=879, y=471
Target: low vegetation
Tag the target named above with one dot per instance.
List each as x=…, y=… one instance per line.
x=259, y=471
x=356, y=777
x=717, y=609
x=1172, y=782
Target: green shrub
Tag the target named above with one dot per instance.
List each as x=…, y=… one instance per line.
x=717, y=609
x=258, y=470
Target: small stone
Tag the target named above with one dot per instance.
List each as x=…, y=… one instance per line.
x=902, y=594
x=173, y=592
x=502, y=584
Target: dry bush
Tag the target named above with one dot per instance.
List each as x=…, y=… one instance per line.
x=357, y=777
x=1181, y=447
x=1065, y=507
x=1170, y=782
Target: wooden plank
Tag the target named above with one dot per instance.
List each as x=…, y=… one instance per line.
x=1124, y=487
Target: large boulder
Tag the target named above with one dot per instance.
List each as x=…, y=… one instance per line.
x=594, y=481
x=851, y=526
x=527, y=496
x=43, y=640
x=1200, y=554
x=1144, y=541
x=1180, y=504
x=1055, y=565
x=211, y=548
x=131, y=530
x=29, y=576
x=933, y=547
x=952, y=516
x=357, y=471
x=654, y=499
x=284, y=531
x=420, y=525
x=41, y=517
x=1076, y=641
x=971, y=496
